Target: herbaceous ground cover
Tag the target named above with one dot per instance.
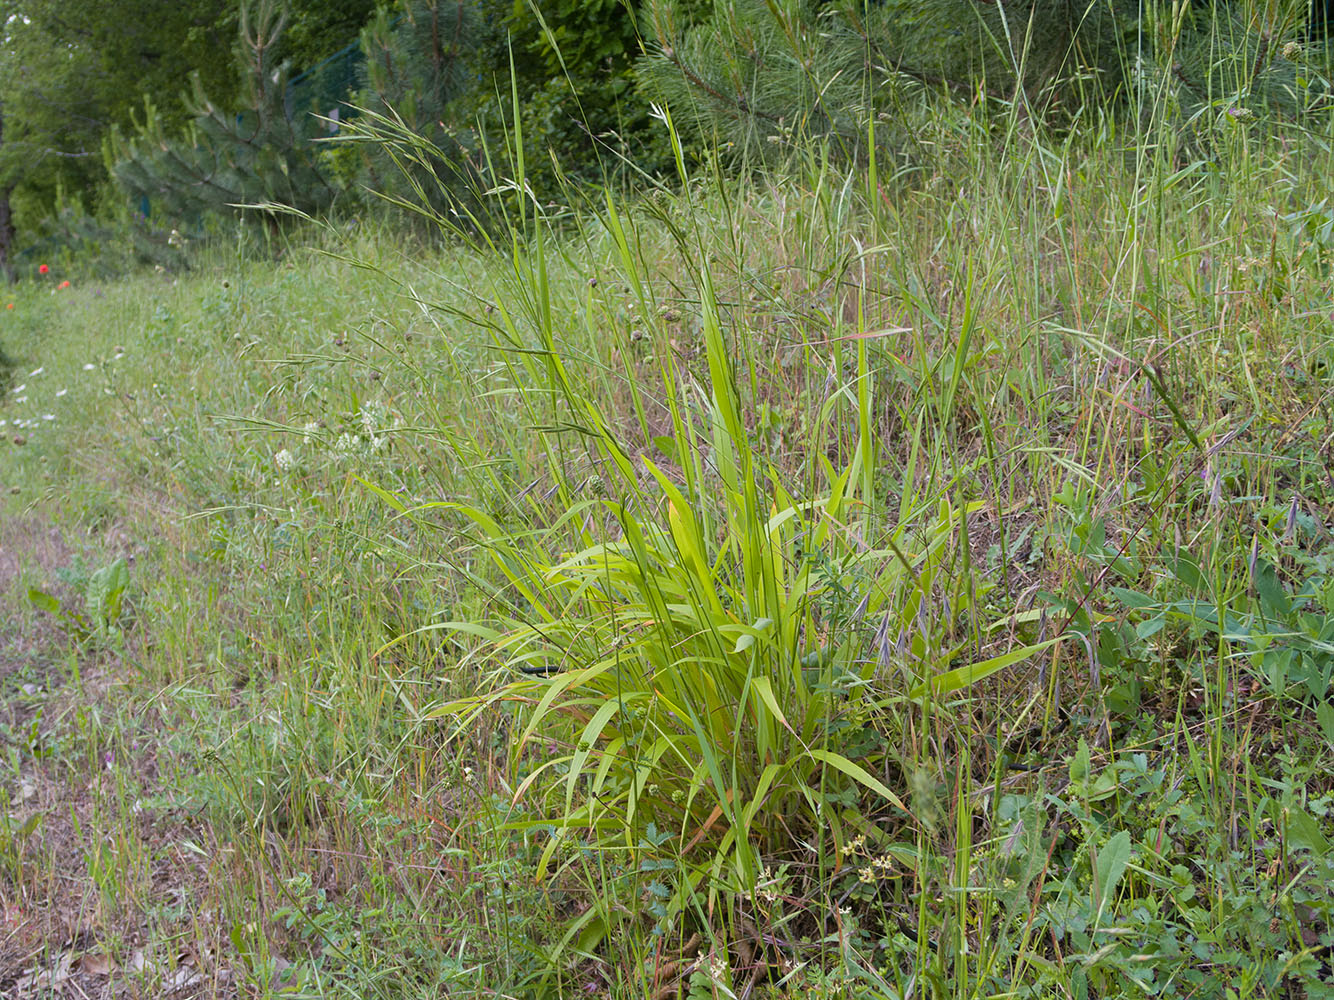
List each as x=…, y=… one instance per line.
x=828, y=584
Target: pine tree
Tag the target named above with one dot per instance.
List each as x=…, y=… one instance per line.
x=756, y=70
x=416, y=63
x=753, y=72
x=1220, y=65
x=258, y=153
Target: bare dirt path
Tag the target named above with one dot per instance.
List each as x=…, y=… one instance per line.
x=92, y=871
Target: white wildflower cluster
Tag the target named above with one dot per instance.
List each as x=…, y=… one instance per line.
x=348, y=445
x=285, y=460
x=372, y=426
x=375, y=421
x=28, y=423
x=881, y=867
x=716, y=968
x=20, y=394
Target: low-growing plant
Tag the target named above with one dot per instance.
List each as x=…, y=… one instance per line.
x=14, y=836
x=1286, y=636
x=103, y=603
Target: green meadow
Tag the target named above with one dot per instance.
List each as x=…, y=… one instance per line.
x=903, y=580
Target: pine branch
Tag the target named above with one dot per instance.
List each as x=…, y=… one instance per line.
x=698, y=82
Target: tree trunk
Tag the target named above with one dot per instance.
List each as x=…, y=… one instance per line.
x=6, y=219
x=6, y=236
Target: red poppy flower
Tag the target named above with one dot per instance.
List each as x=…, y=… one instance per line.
x=63, y=284
x=43, y=269
x=10, y=306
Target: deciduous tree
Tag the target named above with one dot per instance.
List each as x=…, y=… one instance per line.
x=72, y=69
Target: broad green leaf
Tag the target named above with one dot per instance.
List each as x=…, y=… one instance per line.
x=43, y=601
x=1324, y=715
x=558, y=686
x=748, y=633
x=1150, y=627
x=756, y=802
x=382, y=493
x=27, y=827
x=106, y=587
x=1304, y=833
x=1184, y=567
x=781, y=518
x=1273, y=598
x=468, y=628
x=1109, y=864
x=587, y=740
x=1081, y=763
x=1132, y=598
x=962, y=677
x=859, y=774
x=765, y=689
x=1103, y=787
x=555, y=839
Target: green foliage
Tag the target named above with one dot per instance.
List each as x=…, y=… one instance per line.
x=660, y=461
x=1287, y=636
x=71, y=70
x=754, y=73
x=258, y=155
x=83, y=245
x=575, y=57
x=573, y=65
x=103, y=603
x=1223, y=69
x=584, y=38
x=15, y=835
x=703, y=653
x=1169, y=939
x=318, y=28
x=417, y=63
